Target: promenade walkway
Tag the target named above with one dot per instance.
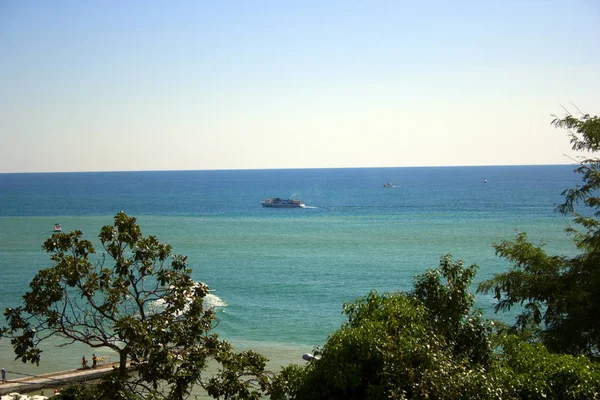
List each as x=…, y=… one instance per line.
x=55, y=379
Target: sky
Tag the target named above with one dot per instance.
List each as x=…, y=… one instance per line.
x=204, y=85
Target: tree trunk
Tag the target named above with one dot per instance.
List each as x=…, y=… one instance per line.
x=122, y=362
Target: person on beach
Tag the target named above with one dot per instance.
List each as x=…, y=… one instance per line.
x=94, y=361
x=3, y=375
x=84, y=363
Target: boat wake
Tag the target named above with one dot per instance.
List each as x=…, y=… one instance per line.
x=309, y=207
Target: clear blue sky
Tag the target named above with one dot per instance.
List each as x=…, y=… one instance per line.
x=160, y=85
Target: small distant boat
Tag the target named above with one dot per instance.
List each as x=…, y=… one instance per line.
x=388, y=185
x=57, y=228
x=277, y=202
x=485, y=181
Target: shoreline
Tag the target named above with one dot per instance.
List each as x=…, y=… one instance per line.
x=279, y=355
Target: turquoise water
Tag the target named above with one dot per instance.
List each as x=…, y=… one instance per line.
x=280, y=276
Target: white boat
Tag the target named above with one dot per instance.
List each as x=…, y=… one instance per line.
x=57, y=228
x=277, y=202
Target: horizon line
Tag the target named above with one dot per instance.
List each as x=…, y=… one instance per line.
x=282, y=169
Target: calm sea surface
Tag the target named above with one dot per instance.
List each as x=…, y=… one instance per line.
x=280, y=276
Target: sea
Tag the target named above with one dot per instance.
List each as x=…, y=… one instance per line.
x=279, y=277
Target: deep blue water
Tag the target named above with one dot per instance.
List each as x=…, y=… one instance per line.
x=282, y=275
x=509, y=190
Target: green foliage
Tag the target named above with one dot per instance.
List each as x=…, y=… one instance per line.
x=289, y=382
x=431, y=344
x=396, y=346
x=138, y=300
x=105, y=391
x=560, y=295
x=242, y=376
x=445, y=293
x=79, y=392
x=530, y=371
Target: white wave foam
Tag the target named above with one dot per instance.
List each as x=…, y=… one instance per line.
x=209, y=301
x=213, y=301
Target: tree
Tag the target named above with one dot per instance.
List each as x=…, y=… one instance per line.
x=431, y=344
x=242, y=376
x=137, y=299
x=560, y=294
x=529, y=371
x=401, y=345
x=446, y=294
